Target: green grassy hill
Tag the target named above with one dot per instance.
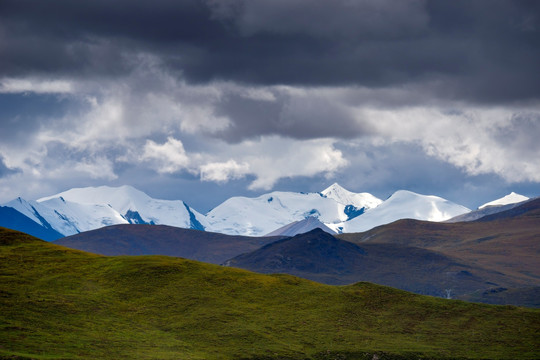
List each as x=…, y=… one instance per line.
x=57, y=303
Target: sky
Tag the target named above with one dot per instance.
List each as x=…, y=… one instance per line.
x=201, y=100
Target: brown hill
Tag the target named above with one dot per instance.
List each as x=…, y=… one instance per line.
x=321, y=257
x=507, y=242
x=163, y=240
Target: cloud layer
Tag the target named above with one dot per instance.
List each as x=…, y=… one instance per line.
x=466, y=50
x=264, y=93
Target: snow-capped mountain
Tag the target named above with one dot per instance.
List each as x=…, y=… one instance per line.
x=480, y=213
x=84, y=209
x=402, y=205
x=12, y=219
x=355, y=203
x=66, y=217
x=505, y=203
x=69, y=217
x=135, y=206
x=301, y=227
x=31, y=209
x=261, y=215
x=511, y=198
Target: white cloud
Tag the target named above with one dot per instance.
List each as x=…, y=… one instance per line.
x=272, y=158
x=224, y=171
x=168, y=157
x=118, y=121
x=275, y=158
x=201, y=118
x=40, y=86
x=41, y=175
x=148, y=102
x=477, y=140
x=98, y=168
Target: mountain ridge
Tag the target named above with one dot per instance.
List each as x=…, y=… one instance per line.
x=144, y=239
x=506, y=242
x=13, y=219
x=81, y=209
x=321, y=257
x=404, y=204
x=511, y=198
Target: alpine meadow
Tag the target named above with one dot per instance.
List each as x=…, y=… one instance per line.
x=65, y=304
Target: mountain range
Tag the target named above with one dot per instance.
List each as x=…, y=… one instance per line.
x=321, y=257
x=488, y=256
x=505, y=242
x=494, y=259
x=83, y=209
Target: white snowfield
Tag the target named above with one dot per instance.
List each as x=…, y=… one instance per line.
x=83, y=209
x=90, y=208
x=403, y=205
x=266, y=213
x=126, y=198
x=68, y=217
x=346, y=197
x=511, y=198
x=261, y=215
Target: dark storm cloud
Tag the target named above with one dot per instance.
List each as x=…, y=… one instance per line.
x=468, y=50
x=298, y=117
x=95, y=37
x=367, y=19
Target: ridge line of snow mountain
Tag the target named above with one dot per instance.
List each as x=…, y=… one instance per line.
x=334, y=209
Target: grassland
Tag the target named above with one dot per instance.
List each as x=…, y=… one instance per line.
x=57, y=303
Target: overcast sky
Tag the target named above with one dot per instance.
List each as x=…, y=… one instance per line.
x=203, y=100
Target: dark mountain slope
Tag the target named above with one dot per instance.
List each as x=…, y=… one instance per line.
x=59, y=303
x=321, y=257
x=163, y=240
x=12, y=219
x=507, y=242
